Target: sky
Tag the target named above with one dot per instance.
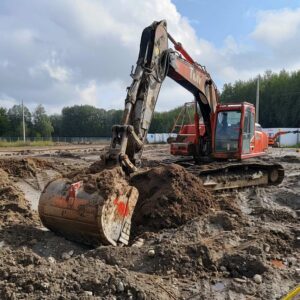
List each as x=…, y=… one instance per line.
x=73, y=52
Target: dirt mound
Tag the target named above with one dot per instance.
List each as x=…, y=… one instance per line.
x=13, y=206
x=104, y=182
x=169, y=196
x=67, y=154
x=23, y=167
x=28, y=276
x=97, y=167
x=243, y=265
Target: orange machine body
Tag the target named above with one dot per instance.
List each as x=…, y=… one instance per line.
x=273, y=139
x=185, y=140
x=241, y=139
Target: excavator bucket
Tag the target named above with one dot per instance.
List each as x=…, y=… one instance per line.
x=91, y=218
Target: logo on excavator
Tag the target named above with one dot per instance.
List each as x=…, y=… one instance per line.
x=194, y=76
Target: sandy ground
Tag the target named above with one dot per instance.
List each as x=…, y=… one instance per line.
x=240, y=245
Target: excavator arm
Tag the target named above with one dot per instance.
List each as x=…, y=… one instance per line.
x=155, y=62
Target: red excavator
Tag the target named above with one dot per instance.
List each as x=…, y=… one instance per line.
x=183, y=143
x=223, y=148
x=273, y=139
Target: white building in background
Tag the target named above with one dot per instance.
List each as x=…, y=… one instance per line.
x=289, y=139
x=154, y=138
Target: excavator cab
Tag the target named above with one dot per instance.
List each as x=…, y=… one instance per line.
x=234, y=134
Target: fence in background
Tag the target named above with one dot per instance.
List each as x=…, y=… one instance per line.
x=74, y=140
x=156, y=138
x=152, y=138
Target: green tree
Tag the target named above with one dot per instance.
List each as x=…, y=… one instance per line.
x=279, y=97
x=163, y=122
x=42, y=126
x=84, y=120
x=4, y=122
x=15, y=121
x=56, y=121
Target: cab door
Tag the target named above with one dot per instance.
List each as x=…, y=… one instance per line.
x=248, y=131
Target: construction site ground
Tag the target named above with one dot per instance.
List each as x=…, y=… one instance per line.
x=188, y=243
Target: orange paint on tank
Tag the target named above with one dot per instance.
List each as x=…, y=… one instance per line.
x=121, y=207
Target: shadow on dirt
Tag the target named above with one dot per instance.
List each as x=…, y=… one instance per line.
x=41, y=241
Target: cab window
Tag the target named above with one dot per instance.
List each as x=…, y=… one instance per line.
x=227, y=131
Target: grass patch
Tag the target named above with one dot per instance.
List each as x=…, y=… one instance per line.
x=24, y=144
x=292, y=146
x=296, y=146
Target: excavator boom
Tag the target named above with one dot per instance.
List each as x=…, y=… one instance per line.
x=155, y=62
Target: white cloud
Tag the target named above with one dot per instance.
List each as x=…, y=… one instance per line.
x=23, y=36
x=52, y=68
x=88, y=95
x=67, y=52
x=277, y=35
x=6, y=101
x=5, y=63
x=81, y=51
x=172, y=95
x=56, y=71
x=231, y=45
x=276, y=27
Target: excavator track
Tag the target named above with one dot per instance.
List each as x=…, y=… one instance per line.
x=220, y=176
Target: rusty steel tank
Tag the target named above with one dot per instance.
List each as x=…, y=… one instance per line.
x=66, y=208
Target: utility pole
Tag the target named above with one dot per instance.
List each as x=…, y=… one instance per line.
x=257, y=101
x=23, y=121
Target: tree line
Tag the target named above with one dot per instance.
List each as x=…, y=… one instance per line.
x=279, y=107
x=279, y=97
x=74, y=121
x=37, y=124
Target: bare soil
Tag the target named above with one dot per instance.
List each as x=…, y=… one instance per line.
x=187, y=243
x=169, y=197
